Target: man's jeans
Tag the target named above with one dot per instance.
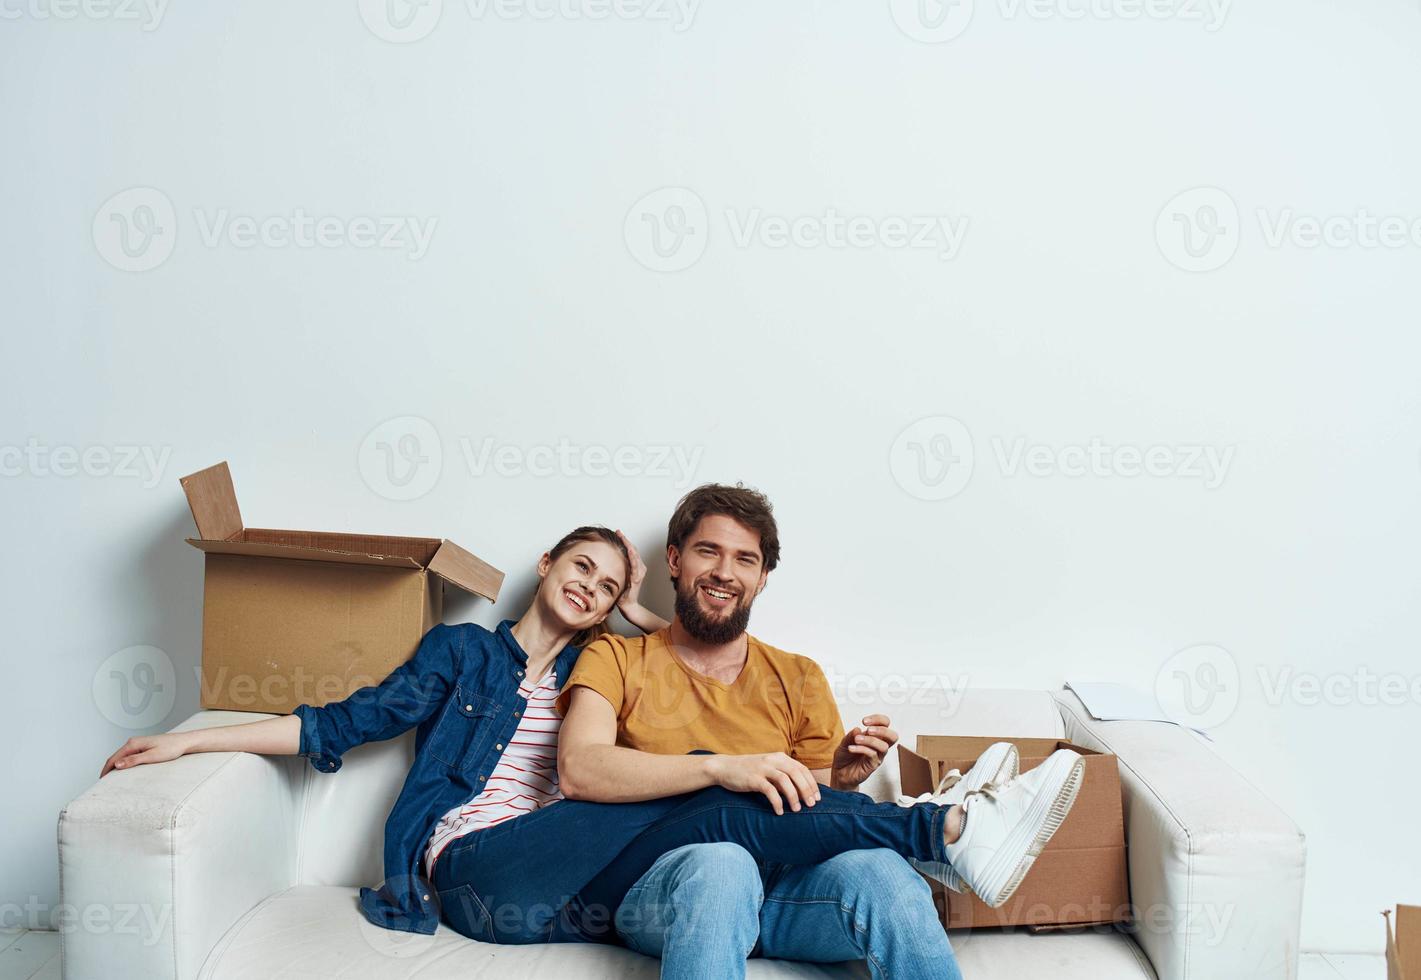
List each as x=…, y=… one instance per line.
x=559, y=873
x=704, y=908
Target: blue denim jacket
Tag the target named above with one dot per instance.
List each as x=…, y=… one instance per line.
x=461, y=689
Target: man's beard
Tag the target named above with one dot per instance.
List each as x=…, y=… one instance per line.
x=705, y=628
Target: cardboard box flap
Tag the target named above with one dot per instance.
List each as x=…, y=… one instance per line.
x=265, y=549
x=1404, y=945
x=466, y=570
x=213, y=502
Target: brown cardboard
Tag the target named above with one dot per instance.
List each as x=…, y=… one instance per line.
x=1080, y=878
x=293, y=617
x=1403, y=945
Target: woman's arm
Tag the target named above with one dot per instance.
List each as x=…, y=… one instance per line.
x=270, y=736
x=634, y=612
x=410, y=694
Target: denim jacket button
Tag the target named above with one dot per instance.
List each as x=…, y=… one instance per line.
x=499, y=746
x=468, y=707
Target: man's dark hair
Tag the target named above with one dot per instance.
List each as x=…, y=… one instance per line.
x=740, y=503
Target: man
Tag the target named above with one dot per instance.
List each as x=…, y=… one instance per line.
x=635, y=707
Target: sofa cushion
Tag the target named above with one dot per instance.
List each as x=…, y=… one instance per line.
x=315, y=932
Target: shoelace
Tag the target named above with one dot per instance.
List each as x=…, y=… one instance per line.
x=949, y=779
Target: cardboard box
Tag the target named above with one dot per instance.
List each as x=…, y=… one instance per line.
x=293, y=617
x=1403, y=947
x=1080, y=878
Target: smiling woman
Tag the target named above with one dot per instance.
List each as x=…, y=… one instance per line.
x=481, y=704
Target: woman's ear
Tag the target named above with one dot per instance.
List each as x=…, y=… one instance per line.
x=544, y=563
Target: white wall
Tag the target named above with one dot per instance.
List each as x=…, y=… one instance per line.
x=530, y=320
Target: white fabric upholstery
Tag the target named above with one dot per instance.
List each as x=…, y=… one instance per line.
x=250, y=865
x=309, y=931
x=1216, y=869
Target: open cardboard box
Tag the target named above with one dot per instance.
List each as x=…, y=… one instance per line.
x=1403, y=946
x=1080, y=878
x=308, y=617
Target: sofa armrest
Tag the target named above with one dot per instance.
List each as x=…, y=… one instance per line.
x=157, y=862
x=1216, y=869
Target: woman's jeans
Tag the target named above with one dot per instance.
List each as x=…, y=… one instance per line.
x=560, y=873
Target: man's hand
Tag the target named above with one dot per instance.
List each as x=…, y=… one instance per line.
x=782, y=779
x=861, y=752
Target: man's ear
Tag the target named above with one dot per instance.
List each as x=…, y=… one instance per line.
x=764, y=580
x=673, y=560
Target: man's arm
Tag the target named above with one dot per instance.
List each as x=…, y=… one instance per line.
x=591, y=766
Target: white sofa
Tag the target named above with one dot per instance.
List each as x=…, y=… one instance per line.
x=229, y=866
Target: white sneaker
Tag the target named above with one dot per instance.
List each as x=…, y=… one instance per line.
x=1006, y=829
x=994, y=769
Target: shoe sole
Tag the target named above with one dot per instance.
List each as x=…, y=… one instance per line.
x=1057, y=808
x=1008, y=769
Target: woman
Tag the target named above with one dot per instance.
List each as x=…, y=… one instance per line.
x=466, y=689
x=472, y=838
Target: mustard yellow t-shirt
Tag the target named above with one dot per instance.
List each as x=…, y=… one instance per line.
x=781, y=701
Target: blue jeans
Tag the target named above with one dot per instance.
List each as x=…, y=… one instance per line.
x=560, y=873
x=705, y=908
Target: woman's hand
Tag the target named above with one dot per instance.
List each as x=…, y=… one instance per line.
x=635, y=576
x=143, y=749
x=632, y=610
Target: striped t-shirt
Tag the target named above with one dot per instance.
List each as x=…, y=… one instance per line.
x=525, y=778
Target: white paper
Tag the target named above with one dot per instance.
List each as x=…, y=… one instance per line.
x=1109, y=701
